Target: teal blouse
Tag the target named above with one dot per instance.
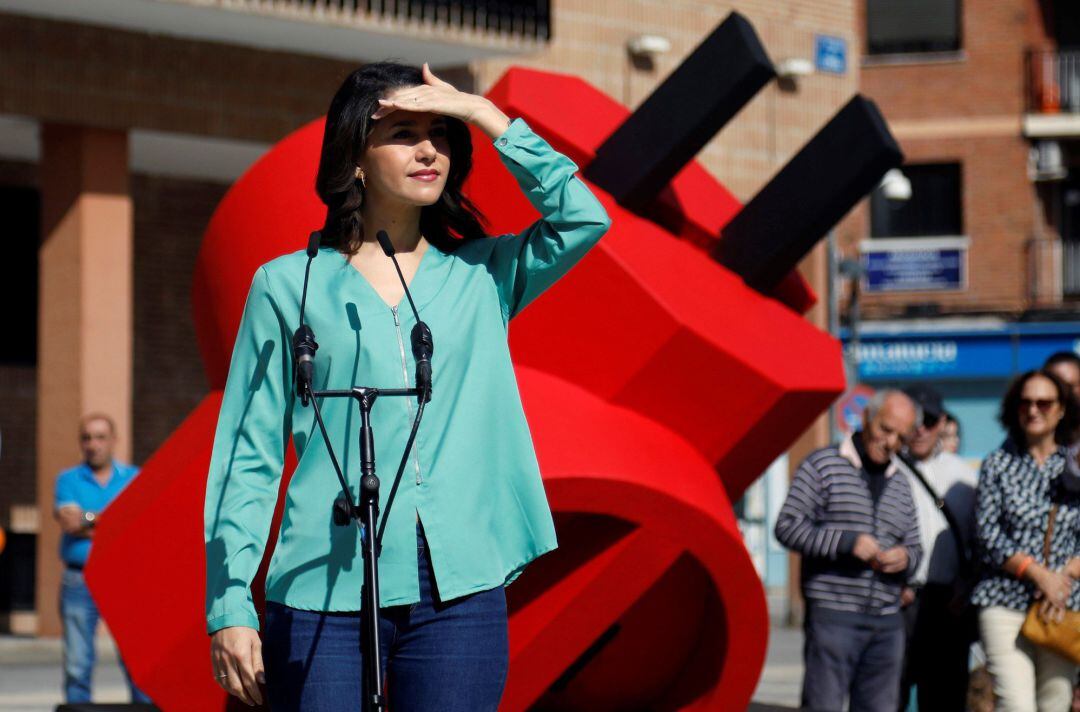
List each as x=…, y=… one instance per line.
x=472, y=479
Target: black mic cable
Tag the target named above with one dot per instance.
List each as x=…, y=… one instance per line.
x=303, y=340
x=304, y=348
x=423, y=345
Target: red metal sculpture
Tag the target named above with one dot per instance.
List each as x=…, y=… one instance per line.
x=648, y=423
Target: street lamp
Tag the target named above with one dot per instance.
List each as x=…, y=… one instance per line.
x=641, y=53
x=854, y=270
x=895, y=186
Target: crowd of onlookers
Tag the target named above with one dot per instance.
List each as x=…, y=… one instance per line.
x=914, y=568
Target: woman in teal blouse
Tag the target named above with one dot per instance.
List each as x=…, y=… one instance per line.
x=470, y=512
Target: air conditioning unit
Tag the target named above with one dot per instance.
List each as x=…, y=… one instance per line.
x=1046, y=162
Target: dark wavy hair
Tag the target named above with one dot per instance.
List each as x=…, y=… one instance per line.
x=445, y=223
x=1010, y=408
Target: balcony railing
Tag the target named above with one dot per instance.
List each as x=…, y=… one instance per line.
x=446, y=33
x=1054, y=269
x=530, y=19
x=1070, y=269
x=1053, y=82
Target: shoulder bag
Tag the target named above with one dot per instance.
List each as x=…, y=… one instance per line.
x=1061, y=637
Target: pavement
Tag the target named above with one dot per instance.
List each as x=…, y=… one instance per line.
x=781, y=680
x=31, y=677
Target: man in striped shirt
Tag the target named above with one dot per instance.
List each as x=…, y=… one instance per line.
x=854, y=522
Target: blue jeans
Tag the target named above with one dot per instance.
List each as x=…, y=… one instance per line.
x=850, y=656
x=450, y=657
x=80, y=616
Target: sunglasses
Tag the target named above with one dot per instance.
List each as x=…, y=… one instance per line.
x=930, y=421
x=1043, y=404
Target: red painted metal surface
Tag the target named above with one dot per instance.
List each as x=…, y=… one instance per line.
x=657, y=386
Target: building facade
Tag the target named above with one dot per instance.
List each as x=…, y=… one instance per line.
x=969, y=262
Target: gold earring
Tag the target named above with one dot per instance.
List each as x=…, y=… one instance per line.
x=360, y=176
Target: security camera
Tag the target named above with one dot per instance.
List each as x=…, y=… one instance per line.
x=648, y=45
x=794, y=68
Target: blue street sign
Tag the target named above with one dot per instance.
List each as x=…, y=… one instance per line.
x=830, y=54
x=914, y=270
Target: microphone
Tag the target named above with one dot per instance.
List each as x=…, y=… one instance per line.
x=423, y=346
x=422, y=343
x=303, y=340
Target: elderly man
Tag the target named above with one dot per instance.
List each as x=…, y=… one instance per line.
x=851, y=516
x=940, y=624
x=81, y=494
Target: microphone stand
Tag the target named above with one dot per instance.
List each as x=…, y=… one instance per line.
x=364, y=515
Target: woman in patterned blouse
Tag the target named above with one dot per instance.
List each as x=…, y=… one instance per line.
x=1017, y=486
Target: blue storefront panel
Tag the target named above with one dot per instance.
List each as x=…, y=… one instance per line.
x=971, y=368
x=975, y=405
x=933, y=357
x=997, y=353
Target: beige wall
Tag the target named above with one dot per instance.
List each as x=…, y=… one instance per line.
x=589, y=39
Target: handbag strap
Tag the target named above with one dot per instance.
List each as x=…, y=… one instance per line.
x=1049, y=534
x=943, y=507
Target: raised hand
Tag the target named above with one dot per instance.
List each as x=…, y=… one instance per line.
x=438, y=97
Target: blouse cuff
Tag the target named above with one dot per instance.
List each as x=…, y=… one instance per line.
x=510, y=137
x=229, y=620
x=523, y=151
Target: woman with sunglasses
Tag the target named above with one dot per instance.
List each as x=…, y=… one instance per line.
x=1018, y=484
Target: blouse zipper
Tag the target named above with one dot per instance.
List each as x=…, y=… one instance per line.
x=405, y=375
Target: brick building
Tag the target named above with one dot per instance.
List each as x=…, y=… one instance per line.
x=123, y=122
x=975, y=276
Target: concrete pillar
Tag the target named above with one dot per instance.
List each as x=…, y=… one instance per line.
x=85, y=317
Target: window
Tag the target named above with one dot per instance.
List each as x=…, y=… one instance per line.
x=1066, y=200
x=1065, y=21
x=911, y=26
x=933, y=210
x=21, y=208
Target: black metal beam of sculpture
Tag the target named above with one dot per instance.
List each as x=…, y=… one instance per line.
x=781, y=224
x=832, y=172
x=670, y=127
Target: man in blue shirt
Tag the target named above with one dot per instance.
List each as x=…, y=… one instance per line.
x=82, y=493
